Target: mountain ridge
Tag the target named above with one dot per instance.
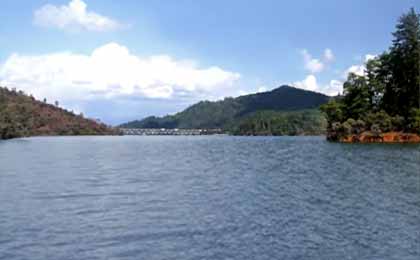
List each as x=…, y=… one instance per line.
x=228, y=112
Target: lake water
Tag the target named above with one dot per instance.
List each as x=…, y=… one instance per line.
x=211, y=197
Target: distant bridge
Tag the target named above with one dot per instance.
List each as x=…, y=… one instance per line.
x=164, y=131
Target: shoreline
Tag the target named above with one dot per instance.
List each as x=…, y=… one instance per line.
x=388, y=137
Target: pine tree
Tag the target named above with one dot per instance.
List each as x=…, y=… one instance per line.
x=405, y=65
x=357, y=97
x=375, y=82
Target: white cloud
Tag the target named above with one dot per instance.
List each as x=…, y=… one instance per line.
x=359, y=69
x=110, y=71
x=355, y=69
x=310, y=83
x=334, y=88
x=261, y=89
x=242, y=92
x=311, y=64
x=369, y=57
x=73, y=16
x=329, y=55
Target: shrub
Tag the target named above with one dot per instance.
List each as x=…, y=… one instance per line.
x=360, y=126
x=333, y=111
x=381, y=120
x=397, y=123
x=375, y=129
x=415, y=120
x=346, y=128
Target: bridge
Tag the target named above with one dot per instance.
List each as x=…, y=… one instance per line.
x=164, y=131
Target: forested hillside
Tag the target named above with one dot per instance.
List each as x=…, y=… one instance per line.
x=22, y=115
x=302, y=122
x=231, y=114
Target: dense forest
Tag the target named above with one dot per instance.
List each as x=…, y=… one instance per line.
x=250, y=114
x=301, y=122
x=22, y=115
x=387, y=97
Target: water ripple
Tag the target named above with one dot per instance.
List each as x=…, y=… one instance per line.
x=208, y=198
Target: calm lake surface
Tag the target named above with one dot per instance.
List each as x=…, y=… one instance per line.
x=214, y=197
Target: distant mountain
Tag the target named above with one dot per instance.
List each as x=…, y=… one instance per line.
x=228, y=113
x=22, y=115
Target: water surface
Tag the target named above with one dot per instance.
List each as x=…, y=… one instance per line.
x=213, y=197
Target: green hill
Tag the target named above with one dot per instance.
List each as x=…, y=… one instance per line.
x=230, y=113
x=301, y=122
x=22, y=115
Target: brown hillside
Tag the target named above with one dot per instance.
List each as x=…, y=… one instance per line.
x=23, y=115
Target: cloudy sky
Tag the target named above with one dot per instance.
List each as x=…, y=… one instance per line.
x=124, y=60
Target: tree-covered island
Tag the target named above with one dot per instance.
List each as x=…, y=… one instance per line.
x=383, y=105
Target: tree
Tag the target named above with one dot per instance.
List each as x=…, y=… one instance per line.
x=387, y=97
x=56, y=103
x=357, y=96
x=381, y=119
x=376, y=76
x=405, y=64
x=333, y=111
x=383, y=77
x=415, y=120
x=21, y=115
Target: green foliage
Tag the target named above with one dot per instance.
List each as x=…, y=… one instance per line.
x=233, y=114
x=346, y=128
x=404, y=65
x=375, y=129
x=357, y=97
x=359, y=126
x=306, y=122
x=339, y=130
x=375, y=78
x=397, y=123
x=387, y=97
x=333, y=111
x=415, y=120
x=381, y=119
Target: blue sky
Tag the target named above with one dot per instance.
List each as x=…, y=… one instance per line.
x=123, y=60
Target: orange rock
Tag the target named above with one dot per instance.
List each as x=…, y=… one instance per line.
x=389, y=137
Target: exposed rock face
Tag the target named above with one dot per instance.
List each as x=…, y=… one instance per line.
x=390, y=137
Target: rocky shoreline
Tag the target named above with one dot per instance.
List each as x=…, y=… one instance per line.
x=389, y=137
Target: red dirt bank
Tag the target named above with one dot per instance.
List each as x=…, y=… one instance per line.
x=389, y=137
